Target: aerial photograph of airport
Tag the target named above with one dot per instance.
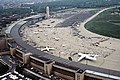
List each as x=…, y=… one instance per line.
x=59, y=39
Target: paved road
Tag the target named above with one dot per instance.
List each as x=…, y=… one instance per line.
x=80, y=17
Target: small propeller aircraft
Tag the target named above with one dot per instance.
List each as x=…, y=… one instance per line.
x=47, y=49
x=87, y=56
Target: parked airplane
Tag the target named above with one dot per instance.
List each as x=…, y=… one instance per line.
x=36, y=32
x=47, y=49
x=87, y=56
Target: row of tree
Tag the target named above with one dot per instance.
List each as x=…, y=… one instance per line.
x=12, y=14
x=59, y=5
x=11, y=11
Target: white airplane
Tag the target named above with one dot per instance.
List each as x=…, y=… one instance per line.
x=47, y=49
x=57, y=39
x=87, y=56
x=36, y=32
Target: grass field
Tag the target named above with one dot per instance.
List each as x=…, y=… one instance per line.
x=106, y=24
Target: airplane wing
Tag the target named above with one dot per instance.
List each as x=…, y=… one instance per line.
x=43, y=49
x=82, y=56
x=91, y=58
x=47, y=49
x=51, y=48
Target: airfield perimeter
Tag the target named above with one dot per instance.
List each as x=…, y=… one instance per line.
x=65, y=33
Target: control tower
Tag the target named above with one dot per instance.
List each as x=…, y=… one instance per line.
x=47, y=12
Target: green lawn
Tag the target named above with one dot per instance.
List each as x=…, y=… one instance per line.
x=105, y=24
